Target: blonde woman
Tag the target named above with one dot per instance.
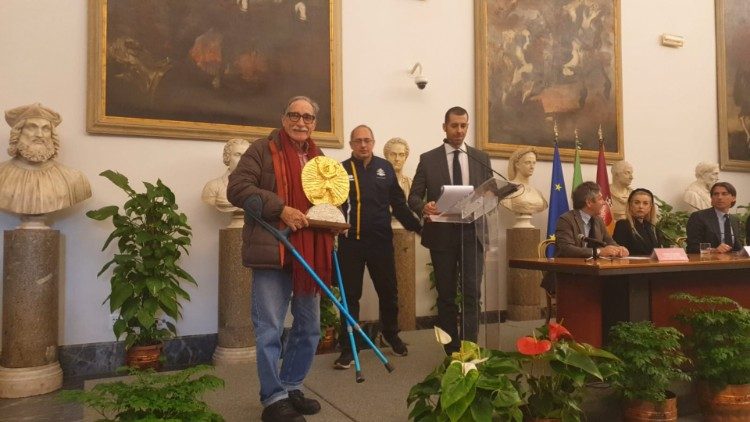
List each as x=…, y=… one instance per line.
x=637, y=231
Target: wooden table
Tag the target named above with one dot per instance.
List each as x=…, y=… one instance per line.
x=593, y=295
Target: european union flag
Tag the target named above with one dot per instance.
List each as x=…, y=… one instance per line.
x=558, y=198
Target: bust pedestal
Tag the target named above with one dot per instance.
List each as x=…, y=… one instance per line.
x=523, y=285
x=28, y=363
x=403, y=248
x=236, y=343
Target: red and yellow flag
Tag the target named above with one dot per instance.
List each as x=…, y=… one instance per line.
x=602, y=179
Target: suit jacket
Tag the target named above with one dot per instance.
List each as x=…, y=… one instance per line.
x=432, y=174
x=703, y=227
x=569, y=227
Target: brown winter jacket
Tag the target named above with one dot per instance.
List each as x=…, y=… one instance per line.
x=254, y=175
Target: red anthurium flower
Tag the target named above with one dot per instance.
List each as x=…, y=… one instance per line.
x=557, y=331
x=531, y=346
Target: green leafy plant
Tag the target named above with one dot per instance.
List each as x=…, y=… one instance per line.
x=556, y=369
x=329, y=313
x=671, y=223
x=719, y=338
x=650, y=359
x=472, y=384
x=152, y=396
x=742, y=217
x=151, y=237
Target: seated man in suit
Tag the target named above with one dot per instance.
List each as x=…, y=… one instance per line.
x=582, y=221
x=715, y=225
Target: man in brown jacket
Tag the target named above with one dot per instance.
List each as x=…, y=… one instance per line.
x=271, y=170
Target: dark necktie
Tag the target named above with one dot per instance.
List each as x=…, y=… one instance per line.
x=727, y=231
x=591, y=233
x=457, y=179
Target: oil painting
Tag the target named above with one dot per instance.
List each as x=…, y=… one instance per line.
x=212, y=69
x=547, y=69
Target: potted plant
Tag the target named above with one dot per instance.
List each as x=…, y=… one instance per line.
x=672, y=224
x=650, y=359
x=329, y=322
x=718, y=342
x=556, y=369
x=151, y=237
x=152, y=396
x=471, y=384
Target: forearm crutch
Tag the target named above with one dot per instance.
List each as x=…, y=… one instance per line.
x=353, y=344
x=253, y=206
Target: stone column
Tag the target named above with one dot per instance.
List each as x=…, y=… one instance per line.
x=523, y=285
x=403, y=247
x=236, y=338
x=28, y=363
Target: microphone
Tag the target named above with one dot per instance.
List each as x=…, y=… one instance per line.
x=477, y=160
x=507, y=190
x=591, y=241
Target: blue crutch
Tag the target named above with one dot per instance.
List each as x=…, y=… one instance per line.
x=253, y=206
x=350, y=332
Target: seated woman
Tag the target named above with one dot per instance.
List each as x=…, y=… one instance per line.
x=637, y=231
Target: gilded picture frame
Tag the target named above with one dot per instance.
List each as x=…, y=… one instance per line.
x=547, y=67
x=733, y=83
x=212, y=70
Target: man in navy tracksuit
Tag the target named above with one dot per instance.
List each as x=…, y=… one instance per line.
x=373, y=192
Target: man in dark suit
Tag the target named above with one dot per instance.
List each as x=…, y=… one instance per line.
x=584, y=220
x=454, y=248
x=715, y=225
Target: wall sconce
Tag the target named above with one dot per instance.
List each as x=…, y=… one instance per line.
x=419, y=79
x=674, y=41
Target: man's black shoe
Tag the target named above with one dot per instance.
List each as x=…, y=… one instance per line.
x=302, y=404
x=281, y=411
x=397, y=346
x=344, y=360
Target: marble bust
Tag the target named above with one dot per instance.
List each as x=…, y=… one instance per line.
x=530, y=200
x=396, y=151
x=215, y=191
x=32, y=182
x=697, y=195
x=619, y=189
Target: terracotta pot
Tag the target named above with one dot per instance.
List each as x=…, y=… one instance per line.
x=732, y=403
x=641, y=410
x=327, y=342
x=143, y=357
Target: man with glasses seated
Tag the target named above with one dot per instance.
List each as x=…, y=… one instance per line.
x=271, y=168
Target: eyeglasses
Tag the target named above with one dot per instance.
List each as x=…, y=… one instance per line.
x=307, y=118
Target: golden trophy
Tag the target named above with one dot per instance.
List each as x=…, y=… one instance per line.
x=326, y=185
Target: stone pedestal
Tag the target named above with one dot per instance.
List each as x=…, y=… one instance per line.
x=28, y=363
x=523, y=285
x=236, y=343
x=403, y=247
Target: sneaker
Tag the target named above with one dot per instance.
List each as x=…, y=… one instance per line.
x=302, y=404
x=397, y=346
x=345, y=360
x=281, y=411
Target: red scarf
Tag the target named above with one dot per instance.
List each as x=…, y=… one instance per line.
x=315, y=246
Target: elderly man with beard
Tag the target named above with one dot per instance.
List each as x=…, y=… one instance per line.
x=32, y=182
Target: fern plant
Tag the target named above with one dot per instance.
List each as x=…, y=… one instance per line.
x=152, y=396
x=151, y=237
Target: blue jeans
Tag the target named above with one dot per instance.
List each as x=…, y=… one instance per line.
x=272, y=292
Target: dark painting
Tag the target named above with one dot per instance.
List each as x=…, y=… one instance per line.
x=547, y=62
x=228, y=63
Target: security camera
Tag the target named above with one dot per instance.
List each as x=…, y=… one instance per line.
x=421, y=81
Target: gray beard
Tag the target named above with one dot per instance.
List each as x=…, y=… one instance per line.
x=35, y=153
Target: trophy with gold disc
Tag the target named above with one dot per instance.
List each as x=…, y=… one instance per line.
x=326, y=185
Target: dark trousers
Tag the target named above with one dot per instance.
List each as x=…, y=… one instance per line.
x=459, y=267
x=354, y=255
